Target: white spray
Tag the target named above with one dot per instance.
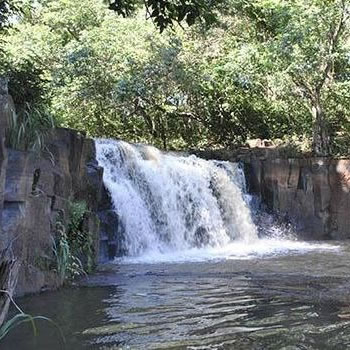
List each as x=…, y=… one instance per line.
x=170, y=203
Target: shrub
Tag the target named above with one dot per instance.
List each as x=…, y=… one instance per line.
x=27, y=129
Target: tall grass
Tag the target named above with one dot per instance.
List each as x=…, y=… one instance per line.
x=22, y=317
x=80, y=240
x=62, y=251
x=27, y=130
x=68, y=264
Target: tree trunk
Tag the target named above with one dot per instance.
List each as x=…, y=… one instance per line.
x=163, y=129
x=320, y=135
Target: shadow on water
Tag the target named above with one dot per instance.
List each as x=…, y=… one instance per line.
x=272, y=303
x=72, y=310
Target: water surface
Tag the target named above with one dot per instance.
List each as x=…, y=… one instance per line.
x=202, y=268
x=291, y=300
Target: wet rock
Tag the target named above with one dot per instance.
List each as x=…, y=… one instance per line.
x=313, y=194
x=201, y=237
x=111, y=244
x=34, y=191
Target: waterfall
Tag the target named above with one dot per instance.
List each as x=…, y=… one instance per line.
x=168, y=203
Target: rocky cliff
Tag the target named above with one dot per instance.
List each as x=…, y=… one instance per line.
x=313, y=194
x=37, y=188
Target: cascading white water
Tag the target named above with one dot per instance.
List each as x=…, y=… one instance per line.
x=168, y=202
x=174, y=207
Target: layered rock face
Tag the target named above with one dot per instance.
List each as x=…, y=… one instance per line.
x=36, y=189
x=313, y=194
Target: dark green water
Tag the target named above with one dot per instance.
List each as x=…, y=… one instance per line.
x=275, y=302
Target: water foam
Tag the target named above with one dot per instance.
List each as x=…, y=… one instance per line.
x=178, y=208
x=262, y=248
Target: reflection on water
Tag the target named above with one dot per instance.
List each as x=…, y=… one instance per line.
x=286, y=302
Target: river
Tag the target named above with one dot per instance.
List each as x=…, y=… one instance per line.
x=299, y=300
x=203, y=268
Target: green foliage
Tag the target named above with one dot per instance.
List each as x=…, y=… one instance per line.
x=308, y=42
x=77, y=210
x=266, y=69
x=165, y=13
x=68, y=265
x=80, y=241
x=294, y=147
x=73, y=247
x=26, y=85
x=7, y=9
x=17, y=320
x=21, y=318
x=27, y=129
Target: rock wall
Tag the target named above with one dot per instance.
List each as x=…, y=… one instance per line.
x=6, y=108
x=111, y=231
x=313, y=194
x=35, y=189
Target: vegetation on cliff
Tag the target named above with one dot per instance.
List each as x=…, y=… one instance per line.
x=73, y=246
x=242, y=69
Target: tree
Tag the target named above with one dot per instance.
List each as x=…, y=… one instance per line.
x=307, y=40
x=266, y=69
x=5, y=12
x=120, y=78
x=165, y=13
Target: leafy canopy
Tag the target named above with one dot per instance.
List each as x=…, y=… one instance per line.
x=269, y=69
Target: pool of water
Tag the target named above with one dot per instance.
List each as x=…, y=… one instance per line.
x=296, y=300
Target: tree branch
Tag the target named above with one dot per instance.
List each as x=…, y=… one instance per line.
x=333, y=43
